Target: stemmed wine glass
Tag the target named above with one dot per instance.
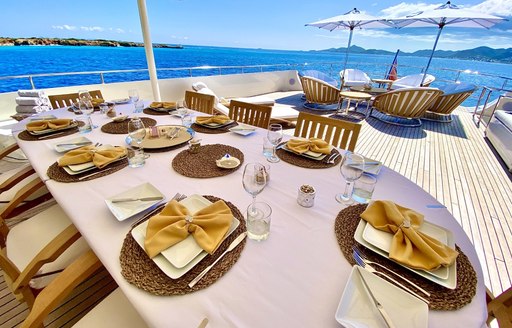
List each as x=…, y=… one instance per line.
x=351, y=168
x=137, y=133
x=254, y=181
x=274, y=135
x=181, y=108
x=86, y=107
x=133, y=94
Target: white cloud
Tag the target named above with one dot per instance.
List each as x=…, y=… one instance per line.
x=64, y=27
x=120, y=30
x=495, y=7
x=404, y=9
x=92, y=28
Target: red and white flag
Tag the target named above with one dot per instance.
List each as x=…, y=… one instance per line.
x=393, y=74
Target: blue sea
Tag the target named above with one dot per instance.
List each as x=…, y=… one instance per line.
x=28, y=60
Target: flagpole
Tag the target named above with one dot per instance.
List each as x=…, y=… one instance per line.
x=392, y=64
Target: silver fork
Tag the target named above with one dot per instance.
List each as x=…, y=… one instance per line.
x=371, y=269
x=176, y=197
x=333, y=158
x=357, y=253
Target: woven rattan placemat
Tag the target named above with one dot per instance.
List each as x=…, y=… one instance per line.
x=441, y=298
x=302, y=161
x=202, y=129
x=122, y=127
x=57, y=173
x=138, y=269
x=150, y=111
x=24, y=135
x=202, y=164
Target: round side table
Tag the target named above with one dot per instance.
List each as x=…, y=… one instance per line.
x=357, y=97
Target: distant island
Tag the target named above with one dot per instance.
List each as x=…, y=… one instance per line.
x=78, y=42
x=480, y=53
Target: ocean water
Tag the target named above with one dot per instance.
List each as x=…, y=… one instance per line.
x=29, y=60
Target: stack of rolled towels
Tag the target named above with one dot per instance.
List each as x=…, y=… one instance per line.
x=32, y=101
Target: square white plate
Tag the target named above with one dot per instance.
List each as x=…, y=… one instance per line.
x=215, y=125
x=309, y=154
x=72, y=125
x=79, y=168
x=243, y=129
x=183, y=256
x=357, y=310
x=67, y=145
x=373, y=168
x=125, y=210
x=450, y=282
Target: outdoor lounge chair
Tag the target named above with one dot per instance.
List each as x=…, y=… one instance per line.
x=412, y=81
x=319, y=75
x=454, y=94
x=354, y=78
x=408, y=105
x=318, y=93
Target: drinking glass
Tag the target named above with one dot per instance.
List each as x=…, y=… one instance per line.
x=274, y=135
x=254, y=180
x=351, y=168
x=181, y=108
x=86, y=108
x=137, y=133
x=133, y=94
x=258, y=221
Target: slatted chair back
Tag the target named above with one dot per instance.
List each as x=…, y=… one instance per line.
x=319, y=92
x=450, y=100
x=252, y=114
x=67, y=99
x=342, y=134
x=500, y=308
x=406, y=102
x=200, y=102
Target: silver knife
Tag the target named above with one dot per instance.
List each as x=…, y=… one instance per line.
x=83, y=143
x=133, y=199
x=379, y=306
x=231, y=247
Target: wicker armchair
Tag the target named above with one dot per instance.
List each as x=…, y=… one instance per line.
x=453, y=96
x=412, y=81
x=408, y=104
x=318, y=93
x=354, y=78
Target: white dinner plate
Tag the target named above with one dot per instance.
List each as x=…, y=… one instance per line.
x=215, y=125
x=183, y=256
x=126, y=210
x=357, y=310
x=67, y=145
x=309, y=154
x=450, y=282
x=72, y=125
x=243, y=129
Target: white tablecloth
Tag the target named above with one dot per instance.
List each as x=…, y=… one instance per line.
x=293, y=279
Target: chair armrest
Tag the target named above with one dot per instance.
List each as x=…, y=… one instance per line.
x=20, y=196
x=60, y=288
x=9, y=149
x=17, y=177
x=48, y=254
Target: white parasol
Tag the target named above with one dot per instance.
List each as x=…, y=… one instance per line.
x=447, y=14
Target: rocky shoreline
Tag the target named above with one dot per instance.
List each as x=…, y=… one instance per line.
x=76, y=42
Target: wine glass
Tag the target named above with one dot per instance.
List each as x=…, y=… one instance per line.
x=137, y=133
x=133, y=94
x=351, y=168
x=86, y=108
x=254, y=181
x=181, y=108
x=274, y=135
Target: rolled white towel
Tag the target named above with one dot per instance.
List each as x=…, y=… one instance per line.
x=31, y=109
x=31, y=93
x=26, y=101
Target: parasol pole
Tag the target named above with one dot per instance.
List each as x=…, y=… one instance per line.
x=346, y=56
x=441, y=25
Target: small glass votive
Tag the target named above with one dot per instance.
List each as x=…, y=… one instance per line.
x=263, y=176
x=135, y=157
x=306, y=196
x=363, y=188
x=258, y=221
x=111, y=110
x=194, y=145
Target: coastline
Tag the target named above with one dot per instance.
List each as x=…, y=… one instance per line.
x=33, y=41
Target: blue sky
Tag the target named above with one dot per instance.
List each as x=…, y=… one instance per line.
x=268, y=24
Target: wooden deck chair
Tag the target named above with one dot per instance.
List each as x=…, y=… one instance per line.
x=252, y=114
x=318, y=93
x=65, y=100
x=500, y=308
x=407, y=105
x=13, y=180
x=200, y=102
x=442, y=108
x=342, y=134
x=114, y=311
x=32, y=251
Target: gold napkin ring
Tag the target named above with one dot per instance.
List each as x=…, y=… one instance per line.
x=189, y=218
x=406, y=223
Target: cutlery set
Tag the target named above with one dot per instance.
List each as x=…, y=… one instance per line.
x=333, y=158
x=176, y=197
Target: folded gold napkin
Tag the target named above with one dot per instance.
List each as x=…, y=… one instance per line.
x=219, y=119
x=48, y=124
x=97, y=101
x=101, y=156
x=301, y=146
x=208, y=227
x=164, y=104
x=409, y=246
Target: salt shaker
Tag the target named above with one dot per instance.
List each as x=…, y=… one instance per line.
x=306, y=196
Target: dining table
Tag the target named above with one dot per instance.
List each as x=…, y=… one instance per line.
x=295, y=278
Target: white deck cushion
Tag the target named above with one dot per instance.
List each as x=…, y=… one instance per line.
x=114, y=311
x=27, y=238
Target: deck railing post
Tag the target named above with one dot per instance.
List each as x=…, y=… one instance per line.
x=102, y=79
x=31, y=82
